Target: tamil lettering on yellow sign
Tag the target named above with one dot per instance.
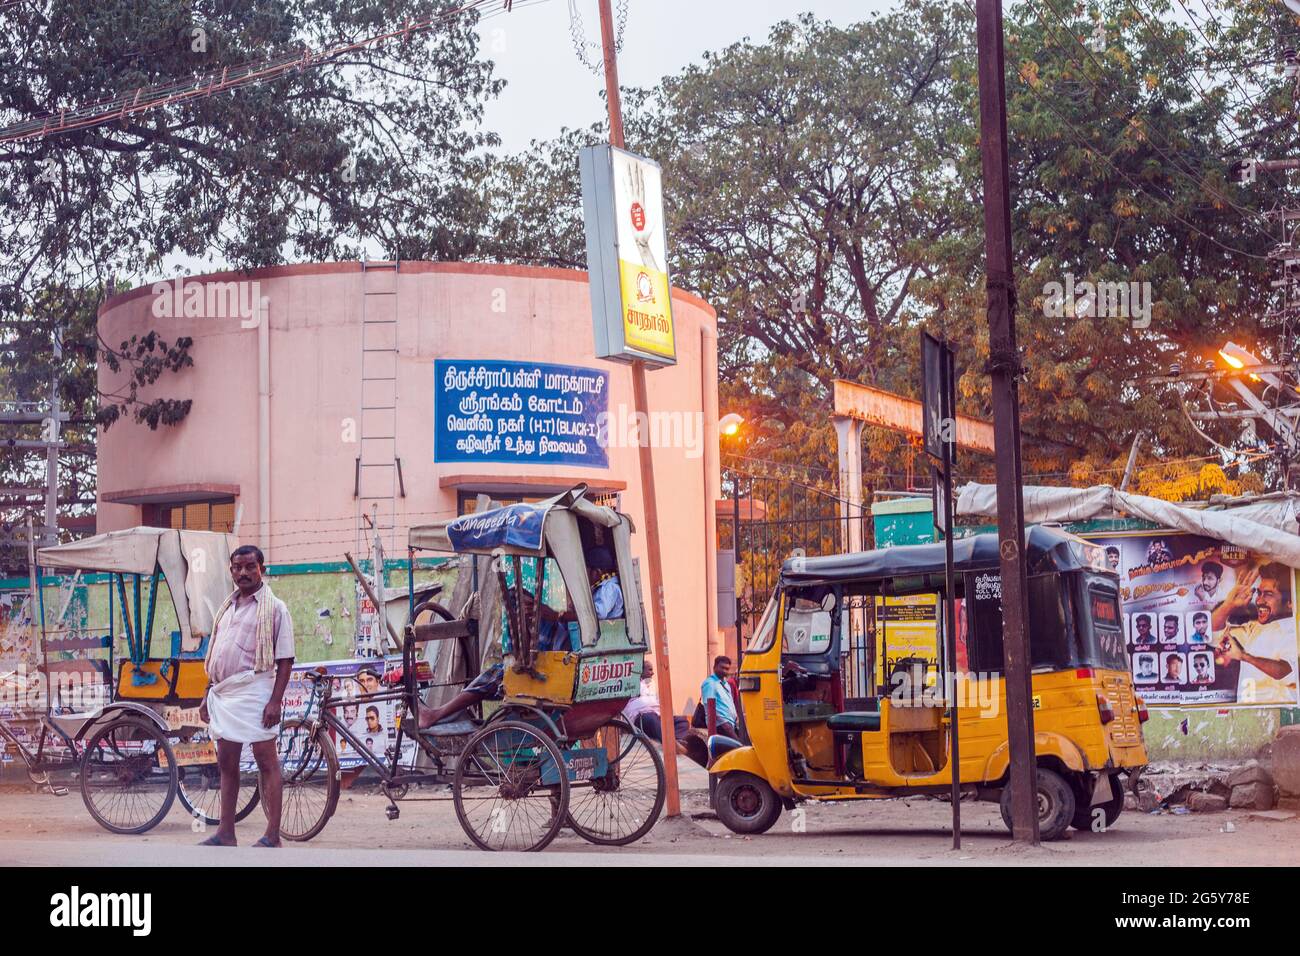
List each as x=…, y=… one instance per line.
x=642, y=256
x=627, y=256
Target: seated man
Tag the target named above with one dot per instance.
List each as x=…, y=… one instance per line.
x=606, y=594
x=643, y=713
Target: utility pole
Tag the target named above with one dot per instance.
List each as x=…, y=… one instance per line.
x=663, y=678
x=51, y=418
x=1004, y=367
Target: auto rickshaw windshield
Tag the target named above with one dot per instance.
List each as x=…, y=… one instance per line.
x=761, y=639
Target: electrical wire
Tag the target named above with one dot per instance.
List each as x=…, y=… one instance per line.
x=1167, y=199
x=144, y=99
x=1189, y=74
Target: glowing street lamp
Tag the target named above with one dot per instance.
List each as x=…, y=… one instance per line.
x=1236, y=356
x=730, y=423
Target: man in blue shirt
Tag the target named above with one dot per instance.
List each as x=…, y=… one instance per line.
x=719, y=704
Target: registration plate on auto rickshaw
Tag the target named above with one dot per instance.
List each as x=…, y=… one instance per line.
x=190, y=755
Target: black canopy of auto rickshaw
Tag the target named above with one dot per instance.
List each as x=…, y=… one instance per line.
x=1047, y=550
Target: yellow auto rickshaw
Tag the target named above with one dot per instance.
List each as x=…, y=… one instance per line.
x=804, y=743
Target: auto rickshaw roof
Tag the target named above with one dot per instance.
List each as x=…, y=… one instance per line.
x=1047, y=550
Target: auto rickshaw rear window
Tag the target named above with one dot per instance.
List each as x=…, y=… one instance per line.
x=1101, y=635
x=1049, y=630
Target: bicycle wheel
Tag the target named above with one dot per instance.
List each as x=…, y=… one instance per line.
x=309, y=767
x=199, y=790
x=510, y=789
x=128, y=776
x=623, y=805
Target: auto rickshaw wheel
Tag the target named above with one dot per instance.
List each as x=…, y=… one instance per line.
x=1085, y=816
x=746, y=803
x=1056, y=804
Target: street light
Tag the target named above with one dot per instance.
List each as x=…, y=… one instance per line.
x=730, y=423
x=1235, y=355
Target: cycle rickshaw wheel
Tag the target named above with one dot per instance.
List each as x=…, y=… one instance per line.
x=199, y=791
x=309, y=767
x=128, y=776
x=621, y=807
x=511, y=788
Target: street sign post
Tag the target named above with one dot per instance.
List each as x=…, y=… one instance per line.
x=939, y=424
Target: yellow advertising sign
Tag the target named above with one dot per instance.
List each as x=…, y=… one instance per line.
x=647, y=312
x=627, y=256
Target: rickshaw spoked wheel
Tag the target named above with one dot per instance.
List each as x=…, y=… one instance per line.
x=510, y=788
x=128, y=776
x=199, y=791
x=621, y=806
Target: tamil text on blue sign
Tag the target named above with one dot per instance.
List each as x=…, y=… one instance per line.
x=519, y=412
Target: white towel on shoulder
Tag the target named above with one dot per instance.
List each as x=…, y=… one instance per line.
x=236, y=704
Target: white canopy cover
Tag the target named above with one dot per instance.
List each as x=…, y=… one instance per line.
x=1267, y=527
x=196, y=565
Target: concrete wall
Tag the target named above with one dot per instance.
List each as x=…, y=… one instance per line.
x=441, y=310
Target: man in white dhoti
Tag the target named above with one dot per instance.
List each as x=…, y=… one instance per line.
x=249, y=660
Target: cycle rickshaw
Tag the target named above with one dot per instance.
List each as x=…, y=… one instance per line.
x=124, y=729
x=555, y=751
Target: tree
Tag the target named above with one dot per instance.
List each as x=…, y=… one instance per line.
x=824, y=193
x=378, y=145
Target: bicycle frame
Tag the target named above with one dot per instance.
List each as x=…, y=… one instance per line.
x=390, y=773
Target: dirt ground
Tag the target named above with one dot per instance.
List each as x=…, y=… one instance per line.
x=913, y=830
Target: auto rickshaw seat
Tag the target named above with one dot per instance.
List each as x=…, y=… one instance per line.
x=854, y=721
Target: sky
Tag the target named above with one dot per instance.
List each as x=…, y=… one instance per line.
x=548, y=88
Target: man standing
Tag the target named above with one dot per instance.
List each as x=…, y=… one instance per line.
x=719, y=704
x=249, y=660
x=1266, y=646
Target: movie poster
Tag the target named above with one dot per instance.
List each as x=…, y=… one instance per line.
x=1207, y=623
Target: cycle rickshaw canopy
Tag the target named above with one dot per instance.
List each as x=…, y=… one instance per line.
x=195, y=565
x=561, y=528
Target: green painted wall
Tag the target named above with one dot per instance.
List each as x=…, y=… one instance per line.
x=321, y=600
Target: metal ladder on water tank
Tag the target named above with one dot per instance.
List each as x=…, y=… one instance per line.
x=378, y=480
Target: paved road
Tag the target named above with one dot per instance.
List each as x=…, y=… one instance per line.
x=51, y=853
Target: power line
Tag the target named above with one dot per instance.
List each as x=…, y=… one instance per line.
x=1167, y=199
x=208, y=84
x=1190, y=74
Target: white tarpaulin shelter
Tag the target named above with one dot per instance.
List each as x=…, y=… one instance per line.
x=1267, y=526
x=196, y=565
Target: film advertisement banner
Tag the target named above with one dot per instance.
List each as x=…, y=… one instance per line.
x=372, y=723
x=1207, y=623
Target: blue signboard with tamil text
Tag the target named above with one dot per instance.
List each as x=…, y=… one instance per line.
x=525, y=412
